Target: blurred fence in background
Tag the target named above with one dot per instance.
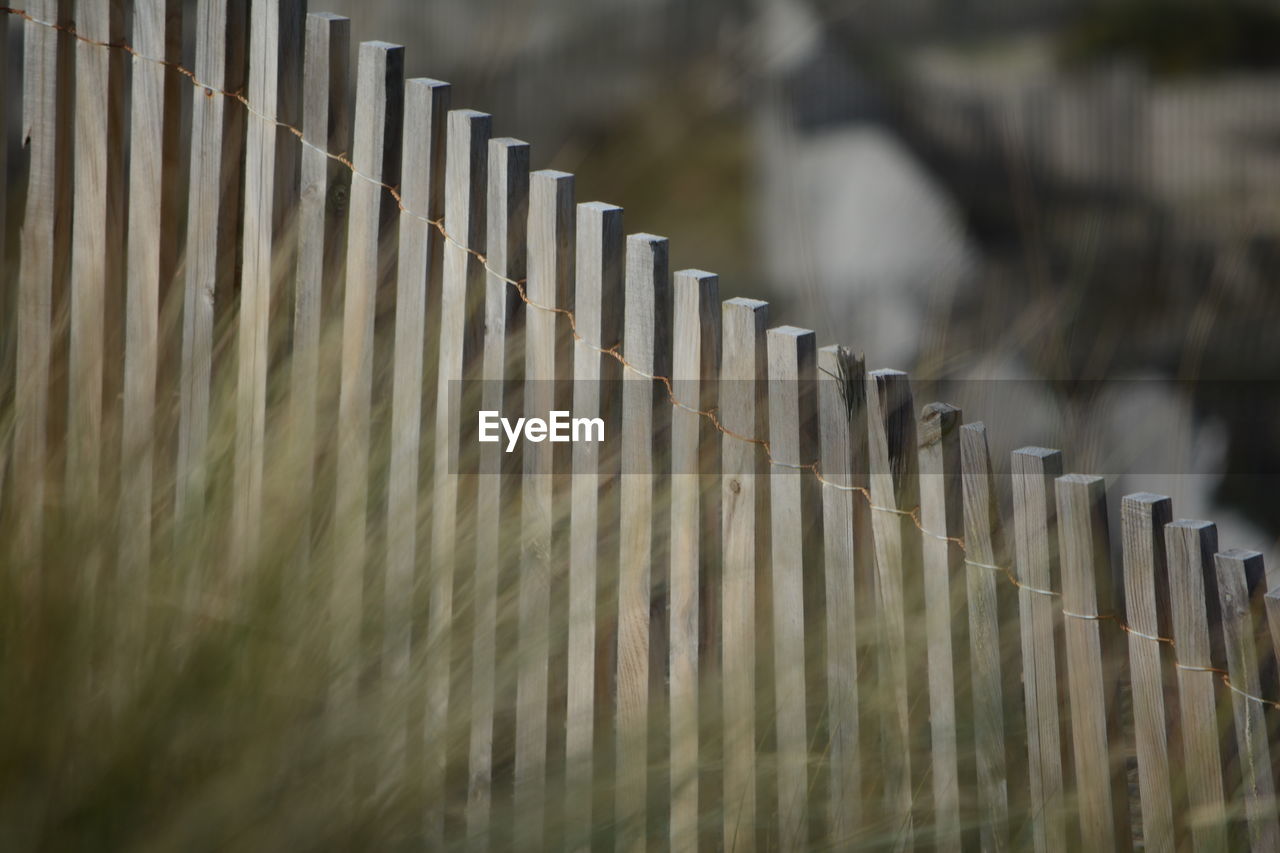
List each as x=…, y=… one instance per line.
x=795, y=614
x=1189, y=146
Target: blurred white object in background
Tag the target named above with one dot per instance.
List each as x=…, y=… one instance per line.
x=851, y=223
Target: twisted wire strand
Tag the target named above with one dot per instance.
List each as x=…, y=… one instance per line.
x=613, y=352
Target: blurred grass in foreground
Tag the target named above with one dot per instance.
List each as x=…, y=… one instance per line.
x=190, y=707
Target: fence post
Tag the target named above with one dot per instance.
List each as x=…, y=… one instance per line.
x=794, y=511
x=1194, y=603
x=744, y=500
x=695, y=369
x=1270, y=658
x=598, y=297
x=46, y=106
x=1094, y=663
x=548, y=374
x=942, y=520
x=1146, y=599
x=895, y=492
x=984, y=552
x=213, y=216
x=461, y=319
x=376, y=154
x=6, y=109
x=507, y=228
x=96, y=242
x=842, y=401
x=152, y=261
x=498, y=487
x=1271, y=601
x=1238, y=572
x=646, y=416
x=325, y=184
x=1034, y=516
x=275, y=58
x=421, y=193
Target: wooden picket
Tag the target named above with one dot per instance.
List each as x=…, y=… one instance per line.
x=548, y=371
x=695, y=368
x=744, y=497
x=774, y=607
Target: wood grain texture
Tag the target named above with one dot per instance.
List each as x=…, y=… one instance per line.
x=794, y=503
x=1193, y=597
x=984, y=549
x=497, y=486
x=322, y=235
x=461, y=327
x=646, y=418
x=152, y=262
x=744, y=499
x=694, y=501
x=942, y=517
x=1094, y=663
x=543, y=548
x=598, y=306
x=1238, y=572
x=895, y=491
x=422, y=194
x=846, y=530
x=275, y=65
x=213, y=224
x=1036, y=549
x=46, y=136
x=1271, y=603
x=97, y=244
x=7, y=111
x=376, y=154
x=8, y=99
x=1143, y=517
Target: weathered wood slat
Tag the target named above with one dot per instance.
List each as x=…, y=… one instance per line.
x=646, y=417
x=213, y=219
x=942, y=520
x=422, y=194
x=695, y=371
x=46, y=133
x=152, y=260
x=793, y=415
x=1094, y=663
x=846, y=530
x=1146, y=599
x=598, y=306
x=7, y=100
x=275, y=60
x=984, y=553
x=461, y=322
x=322, y=236
x=1193, y=596
x=548, y=376
x=496, y=487
x=1239, y=572
x=744, y=497
x=1271, y=602
x=97, y=243
x=895, y=493
x=376, y=154
x=1036, y=548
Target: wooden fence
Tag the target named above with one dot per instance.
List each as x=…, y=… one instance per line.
x=794, y=613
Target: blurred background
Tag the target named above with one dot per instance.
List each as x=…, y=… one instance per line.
x=1044, y=196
